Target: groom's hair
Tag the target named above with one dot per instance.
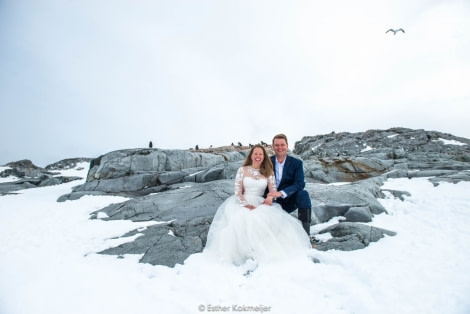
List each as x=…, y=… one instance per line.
x=280, y=136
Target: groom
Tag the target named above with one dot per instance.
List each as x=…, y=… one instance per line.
x=289, y=173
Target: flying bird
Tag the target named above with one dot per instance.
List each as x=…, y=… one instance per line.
x=395, y=31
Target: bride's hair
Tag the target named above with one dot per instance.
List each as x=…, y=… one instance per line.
x=266, y=168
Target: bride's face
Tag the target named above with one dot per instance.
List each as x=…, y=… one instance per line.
x=257, y=156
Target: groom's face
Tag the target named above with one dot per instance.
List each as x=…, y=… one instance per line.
x=280, y=148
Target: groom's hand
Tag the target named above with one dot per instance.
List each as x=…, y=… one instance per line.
x=275, y=194
x=268, y=200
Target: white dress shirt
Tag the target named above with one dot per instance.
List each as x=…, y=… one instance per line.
x=279, y=167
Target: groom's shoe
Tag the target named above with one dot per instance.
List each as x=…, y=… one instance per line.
x=314, y=241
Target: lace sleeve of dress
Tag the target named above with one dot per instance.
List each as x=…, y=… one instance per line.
x=239, y=187
x=272, y=184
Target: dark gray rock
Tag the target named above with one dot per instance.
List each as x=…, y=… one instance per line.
x=183, y=202
x=57, y=180
x=77, y=195
x=455, y=177
x=358, y=214
x=348, y=236
x=24, y=169
x=11, y=187
x=324, y=212
x=330, y=201
x=70, y=163
x=168, y=244
x=398, y=194
x=30, y=176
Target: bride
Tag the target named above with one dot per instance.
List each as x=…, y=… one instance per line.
x=248, y=226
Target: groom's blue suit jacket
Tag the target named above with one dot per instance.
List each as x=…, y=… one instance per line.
x=292, y=175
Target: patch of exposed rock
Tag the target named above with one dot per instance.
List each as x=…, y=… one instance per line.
x=348, y=236
x=29, y=176
x=70, y=163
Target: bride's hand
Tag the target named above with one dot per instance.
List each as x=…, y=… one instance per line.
x=250, y=207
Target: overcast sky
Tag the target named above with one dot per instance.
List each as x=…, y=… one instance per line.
x=82, y=78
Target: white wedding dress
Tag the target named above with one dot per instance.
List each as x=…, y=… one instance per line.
x=266, y=233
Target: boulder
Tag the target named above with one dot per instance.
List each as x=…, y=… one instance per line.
x=348, y=236
x=330, y=201
x=167, y=244
x=358, y=214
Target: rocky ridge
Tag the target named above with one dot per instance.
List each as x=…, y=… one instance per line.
x=30, y=176
x=399, y=152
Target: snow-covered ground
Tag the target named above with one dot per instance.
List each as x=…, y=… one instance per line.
x=48, y=263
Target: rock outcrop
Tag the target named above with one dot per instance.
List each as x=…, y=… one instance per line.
x=138, y=172
x=30, y=176
x=398, y=152
x=347, y=236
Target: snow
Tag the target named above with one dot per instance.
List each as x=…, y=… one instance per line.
x=7, y=179
x=80, y=170
x=366, y=149
x=315, y=147
x=49, y=262
x=451, y=142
